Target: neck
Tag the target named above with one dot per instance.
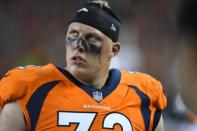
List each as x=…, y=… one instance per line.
x=97, y=81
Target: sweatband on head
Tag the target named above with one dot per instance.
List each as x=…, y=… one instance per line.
x=101, y=18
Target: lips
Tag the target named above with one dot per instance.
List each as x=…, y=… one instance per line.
x=78, y=60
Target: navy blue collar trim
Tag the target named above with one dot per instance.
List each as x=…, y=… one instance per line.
x=110, y=85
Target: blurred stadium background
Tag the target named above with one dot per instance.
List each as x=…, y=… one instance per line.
x=33, y=32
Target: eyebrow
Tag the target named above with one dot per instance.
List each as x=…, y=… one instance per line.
x=93, y=33
x=73, y=29
x=96, y=33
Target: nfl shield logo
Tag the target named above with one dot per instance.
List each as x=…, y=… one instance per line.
x=98, y=96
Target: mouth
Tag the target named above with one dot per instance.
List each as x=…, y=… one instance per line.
x=78, y=60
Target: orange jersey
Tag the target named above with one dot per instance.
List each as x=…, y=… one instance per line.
x=52, y=99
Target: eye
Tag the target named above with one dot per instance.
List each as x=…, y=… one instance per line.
x=73, y=33
x=92, y=37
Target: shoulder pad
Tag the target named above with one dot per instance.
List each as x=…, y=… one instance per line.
x=146, y=84
x=17, y=82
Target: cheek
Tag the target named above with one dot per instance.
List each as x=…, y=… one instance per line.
x=94, y=49
x=104, y=57
x=68, y=52
x=106, y=51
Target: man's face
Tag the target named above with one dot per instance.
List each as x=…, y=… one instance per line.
x=88, y=50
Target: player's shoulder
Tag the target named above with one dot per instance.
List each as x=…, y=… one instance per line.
x=146, y=85
x=141, y=80
x=29, y=71
x=20, y=81
x=138, y=76
x=21, y=78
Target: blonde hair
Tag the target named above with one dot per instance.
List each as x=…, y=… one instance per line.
x=102, y=3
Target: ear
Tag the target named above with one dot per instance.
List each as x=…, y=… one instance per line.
x=115, y=49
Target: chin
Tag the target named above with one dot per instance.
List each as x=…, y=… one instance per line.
x=78, y=71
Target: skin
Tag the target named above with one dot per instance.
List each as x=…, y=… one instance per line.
x=96, y=50
x=11, y=117
x=82, y=40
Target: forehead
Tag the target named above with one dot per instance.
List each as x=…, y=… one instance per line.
x=83, y=28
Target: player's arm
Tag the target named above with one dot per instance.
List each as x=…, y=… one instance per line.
x=12, y=118
x=160, y=126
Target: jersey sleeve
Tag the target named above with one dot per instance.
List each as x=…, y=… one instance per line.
x=154, y=90
x=149, y=86
x=12, y=87
x=159, y=98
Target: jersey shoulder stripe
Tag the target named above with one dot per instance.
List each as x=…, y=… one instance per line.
x=146, y=113
x=35, y=102
x=148, y=85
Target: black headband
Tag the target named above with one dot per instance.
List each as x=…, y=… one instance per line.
x=101, y=18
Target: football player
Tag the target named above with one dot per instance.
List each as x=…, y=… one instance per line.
x=86, y=94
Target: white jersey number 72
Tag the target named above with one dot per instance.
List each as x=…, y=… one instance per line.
x=85, y=120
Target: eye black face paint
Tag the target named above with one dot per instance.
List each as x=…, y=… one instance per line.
x=93, y=47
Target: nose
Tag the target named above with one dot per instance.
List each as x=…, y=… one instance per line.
x=78, y=46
